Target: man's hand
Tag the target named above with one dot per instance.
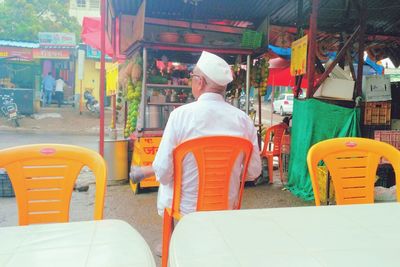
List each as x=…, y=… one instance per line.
x=138, y=173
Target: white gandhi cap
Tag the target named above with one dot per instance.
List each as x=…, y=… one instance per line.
x=215, y=68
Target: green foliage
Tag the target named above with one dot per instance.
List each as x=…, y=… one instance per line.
x=21, y=20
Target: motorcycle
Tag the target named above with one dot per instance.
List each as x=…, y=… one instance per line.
x=91, y=103
x=9, y=109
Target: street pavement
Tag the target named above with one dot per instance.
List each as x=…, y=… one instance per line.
x=138, y=210
x=9, y=139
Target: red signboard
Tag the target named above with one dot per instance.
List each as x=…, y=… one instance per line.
x=16, y=53
x=51, y=53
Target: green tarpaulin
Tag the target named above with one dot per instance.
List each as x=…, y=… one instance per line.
x=314, y=121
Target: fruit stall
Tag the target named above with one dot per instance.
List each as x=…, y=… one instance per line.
x=154, y=80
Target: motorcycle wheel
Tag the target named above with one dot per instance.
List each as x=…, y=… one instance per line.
x=89, y=107
x=16, y=122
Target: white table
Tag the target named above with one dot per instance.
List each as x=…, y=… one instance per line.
x=105, y=243
x=329, y=236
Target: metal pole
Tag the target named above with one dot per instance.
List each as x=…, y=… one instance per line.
x=143, y=100
x=80, y=99
x=248, y=83
x=102, y=75
x=312, y=46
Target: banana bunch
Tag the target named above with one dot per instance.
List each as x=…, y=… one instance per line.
x=134, y=94
x=260, y=75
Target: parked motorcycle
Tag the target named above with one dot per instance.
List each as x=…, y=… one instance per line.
x=9, y=109
x=242, y=102
x=91, y=103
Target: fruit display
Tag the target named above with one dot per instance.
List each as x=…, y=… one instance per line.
x=260, y=75
x=132, y=93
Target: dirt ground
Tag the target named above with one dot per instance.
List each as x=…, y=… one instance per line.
x=65, y=120
x=138, y=210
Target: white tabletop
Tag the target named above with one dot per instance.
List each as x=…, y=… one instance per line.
x=356, y=235
x=93, y=243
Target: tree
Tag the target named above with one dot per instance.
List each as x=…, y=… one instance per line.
x=21, y=20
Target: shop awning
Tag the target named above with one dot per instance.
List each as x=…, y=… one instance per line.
x=279, y=74
x=91, y=35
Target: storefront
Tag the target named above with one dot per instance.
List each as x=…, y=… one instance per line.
x=56, y=53
x=19, y=73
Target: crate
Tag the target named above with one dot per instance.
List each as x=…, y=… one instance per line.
x=322, y=177
x=6, y=189
x=390, y=137
x=377, y=113
x=368, y=131
x=251, y=39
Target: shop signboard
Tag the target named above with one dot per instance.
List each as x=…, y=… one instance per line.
x=57, y=38
x=112, y=80
x=16, y=53
x=298, y=61
x=144, y=152
x=94, y=53
x=41, y=53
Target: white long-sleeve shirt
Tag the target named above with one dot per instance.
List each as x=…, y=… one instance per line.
x=209, y=115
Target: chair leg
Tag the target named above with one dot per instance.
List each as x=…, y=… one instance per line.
x=168, y=227
x=271, y=169
x=281, y=169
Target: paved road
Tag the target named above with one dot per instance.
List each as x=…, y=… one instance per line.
x=9, y=139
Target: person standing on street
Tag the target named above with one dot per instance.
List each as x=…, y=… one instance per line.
x=60, y=84
x=48, y=87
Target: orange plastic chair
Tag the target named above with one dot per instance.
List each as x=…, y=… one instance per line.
x=43, y=177
x=215, y=157
x=352, y=163
x=273, y=136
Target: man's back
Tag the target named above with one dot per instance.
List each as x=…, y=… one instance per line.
x=208, y=116
x=48, y=83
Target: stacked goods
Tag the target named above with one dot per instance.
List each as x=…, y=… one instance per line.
x=390, y=137
x=133, y=93
x=377, y=113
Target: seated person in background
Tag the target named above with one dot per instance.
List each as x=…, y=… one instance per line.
x=210, y=115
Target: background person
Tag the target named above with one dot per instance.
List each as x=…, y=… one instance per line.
x=60, y=84
x=48, y=84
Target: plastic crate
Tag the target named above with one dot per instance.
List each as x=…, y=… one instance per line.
x=377, y=113
x=322, y=177
x=251, y=39
x=6, y=189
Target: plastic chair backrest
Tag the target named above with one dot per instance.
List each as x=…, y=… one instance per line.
x=277, y=131
x=43, y=177
x=215, y=157
x=352, y=163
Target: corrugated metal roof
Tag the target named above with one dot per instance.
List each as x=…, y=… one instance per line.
x=383, y=15
x=19, y=44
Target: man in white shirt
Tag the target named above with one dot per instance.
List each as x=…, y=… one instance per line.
x=60, y=91
x=209, y=115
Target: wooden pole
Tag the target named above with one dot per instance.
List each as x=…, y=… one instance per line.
x=248, y=69
x=312, y=46
x=102, y=74
x=339, y=56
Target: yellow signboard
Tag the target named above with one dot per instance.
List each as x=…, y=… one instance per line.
x=298, y=61
x=112, y=80
x=144, y=152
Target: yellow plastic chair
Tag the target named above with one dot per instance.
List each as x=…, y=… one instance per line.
x=352, y=163
x=43, y=177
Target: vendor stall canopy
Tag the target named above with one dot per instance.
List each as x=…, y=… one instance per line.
x=335, y=16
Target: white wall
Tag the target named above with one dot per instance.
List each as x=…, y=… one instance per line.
x=92, y=9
